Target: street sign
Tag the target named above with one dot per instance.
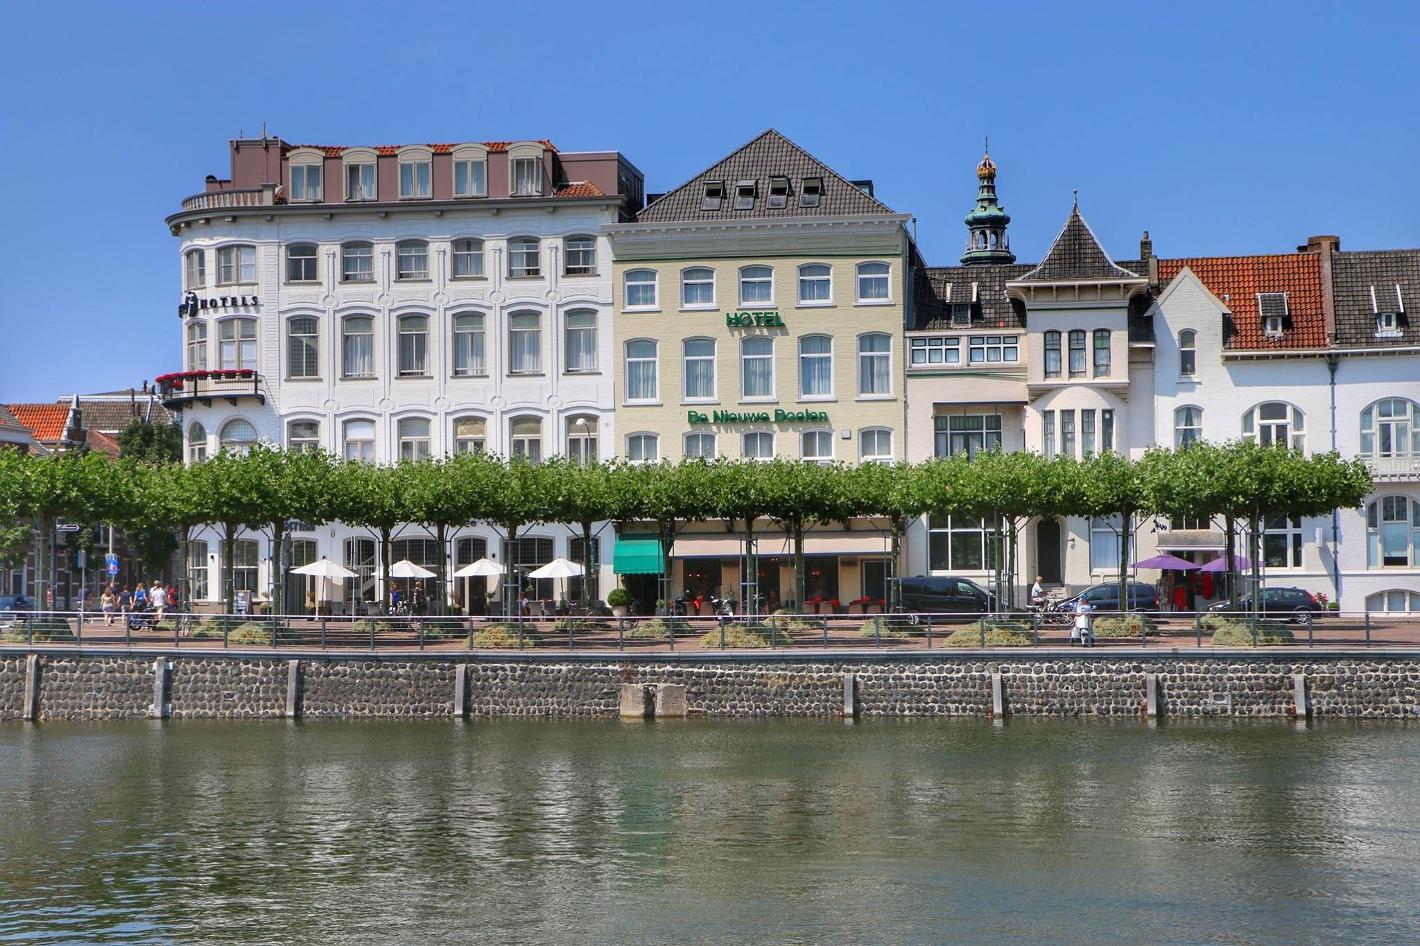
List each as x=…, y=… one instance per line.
x=111, y=563
x=61, y=526
x=83, y=559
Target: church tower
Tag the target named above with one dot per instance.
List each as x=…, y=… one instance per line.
x=987, y=241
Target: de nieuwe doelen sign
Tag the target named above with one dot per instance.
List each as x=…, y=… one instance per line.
x=756, y=417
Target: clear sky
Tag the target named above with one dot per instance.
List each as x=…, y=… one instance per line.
x=1221, y=127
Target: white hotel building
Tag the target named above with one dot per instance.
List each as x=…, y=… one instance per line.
x=393, y=302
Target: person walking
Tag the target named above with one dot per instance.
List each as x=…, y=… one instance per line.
x=1084, y=629
x=418, y=601
x=125, y=602
x=140, y=597
x=159, y=597
x=108, y=601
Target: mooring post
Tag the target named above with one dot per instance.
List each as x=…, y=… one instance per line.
x=161, y=708
x=293, y=689
x=461, y=691
x=30, y=711
x=998, y=695
x=1151, y=695
x=850, y=696
x=637, y=701
x=670, y=701
x=1301, y=703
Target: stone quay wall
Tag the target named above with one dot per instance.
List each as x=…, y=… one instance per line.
x=59, y=685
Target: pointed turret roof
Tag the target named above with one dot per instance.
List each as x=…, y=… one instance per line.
x=1076, y=255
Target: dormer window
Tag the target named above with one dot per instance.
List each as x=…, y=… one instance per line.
x=961, y=314
x=778, y=192
x=1389, y=324
x=470, y=171
x=713, y=196
x=415, y=175
x=360, y=183
x=525, y=169
x=744, y=195
x=810, y=191
x=1272, y=307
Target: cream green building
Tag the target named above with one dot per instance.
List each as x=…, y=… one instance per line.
x=758, y=311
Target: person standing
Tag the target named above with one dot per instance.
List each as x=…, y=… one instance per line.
x=159, y=596
x=418, y=601
x=125, y=602
x=1084, y=629
x=108, y=601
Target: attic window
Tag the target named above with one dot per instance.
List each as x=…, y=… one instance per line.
x=778, y=192
x=1389, y=324
x=810, y=192
x=1272, y=307
x=714, y=194
x=744, y=195
x=961, y=314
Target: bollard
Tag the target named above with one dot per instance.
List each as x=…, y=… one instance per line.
x=773, y=632
x=637, y=701
x=1301, y=705
x=569, y=633
x=461, y=691
x=850, y=696
x=1311, y=637
x=722, y=633
x=372, y=634
x=620, y=636
x=421, y=633
x=30, y=710
x=670, y=702
x=670, y=635
x=825, y=632
x=1198, y=631
x=1035, y=629
x=161, y=708
x=1368, y=629
x=322, y=633
x=981, y=626
x=293, y=689
x=1151, y=695
x=998, y=696
x=877, y=633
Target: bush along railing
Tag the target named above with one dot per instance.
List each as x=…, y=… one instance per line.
x=781, y=631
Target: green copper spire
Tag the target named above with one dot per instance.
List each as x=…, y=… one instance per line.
x=986, y=224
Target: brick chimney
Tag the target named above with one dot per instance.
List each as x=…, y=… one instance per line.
x=1316, y=244
x=1324, y=246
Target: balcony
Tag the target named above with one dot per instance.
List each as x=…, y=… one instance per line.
x=1404, y=466
x=181, y=388
x=263, y=196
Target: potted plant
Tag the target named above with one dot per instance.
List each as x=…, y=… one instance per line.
x=619, y=599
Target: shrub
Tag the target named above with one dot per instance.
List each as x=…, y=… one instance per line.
x=654, y=629
x=442, y=628
x=618, y=597
x=736, y=636
x=501, y=637
x=251, y=633
x=998, y=634
x=577, y=626
x=1133, y=625
x=205, y=629
x=1237, y=634
x=879, y=627
x=48, y=630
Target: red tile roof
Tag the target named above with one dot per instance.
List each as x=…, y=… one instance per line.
x=101, y=442
x=335, y=151
x=1237, y=280
x=578, y=189
x=45, y=421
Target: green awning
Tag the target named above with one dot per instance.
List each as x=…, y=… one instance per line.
x=637, y=555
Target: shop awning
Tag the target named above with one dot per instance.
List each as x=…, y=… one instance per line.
x=637, y=555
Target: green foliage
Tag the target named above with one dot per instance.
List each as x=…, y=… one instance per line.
x=579, y=626
x=1132, y=625
x=654, y=629
x=46, y=629
x=150, y=443
x=735, y=637
x=998, y=634
x=618, y=598
x=501, y=637
x=879, y=627
x=252, y=634
x=1231, y=633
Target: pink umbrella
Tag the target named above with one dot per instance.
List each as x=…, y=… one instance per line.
x=1170, y=562
x=1220, y=564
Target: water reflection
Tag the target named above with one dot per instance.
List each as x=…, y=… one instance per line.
x=706, y=832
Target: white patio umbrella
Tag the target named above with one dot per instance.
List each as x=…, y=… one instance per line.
x=404, y=568
x=480, y=569
x=325, y=570
x=557, y=568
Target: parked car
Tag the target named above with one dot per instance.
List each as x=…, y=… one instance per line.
x=12, y=606
x=945, y=594
x=1299, y=605
x=1105, y=597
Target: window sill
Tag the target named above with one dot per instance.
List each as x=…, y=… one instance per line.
x=415, y=197
x=515, y=276
x=358, y=377
x=566, y=275
x=469, y=376
x=641, y=308
x=817, y=399
x=759, y=400
x=413, y=377
x=763, y=305
x=235, y=285
x=468, y=279
x=876, y=397
x=469, y=196
x=874, y=302
x=412, y=280
x=298, y=283
x=582, y=373
x=706, y=307
x=302, y=380
x=656, y=403
x=701, y=400
x=358, y=282
x=826, y=304
x=526, y=374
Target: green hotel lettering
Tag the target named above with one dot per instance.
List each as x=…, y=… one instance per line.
x=757, y=417
x=753, y=320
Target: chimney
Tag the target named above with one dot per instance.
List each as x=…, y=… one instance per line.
x=1318, y=244
x=74, y=437
x=1146, y=247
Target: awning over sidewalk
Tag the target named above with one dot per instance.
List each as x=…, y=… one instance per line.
x=637, y=555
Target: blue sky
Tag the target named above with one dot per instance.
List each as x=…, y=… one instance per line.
x=1220, y=127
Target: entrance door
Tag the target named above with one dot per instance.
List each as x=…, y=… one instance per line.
x=1047, y=550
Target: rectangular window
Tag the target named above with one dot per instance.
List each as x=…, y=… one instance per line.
x=303, y=436
x=815, y=366
x=714, y=195
x=236, y=264
x=196, y=269
x=992, y=349
x=527, y=177
x=966, y=434
x=414, y=179
x=961, y=314
x=756, y=285
x=237, y=344
x=1087, y=433
x=246, y=561
x=699, y=369
x=697, y=288
x=744, y=195
x=757, y=367
x=197, y=346
x=815, y=284
x=197, y=570
x=301, y=263
x=640, y=289
x=360, y=440
x=525, y=343
x=526, y=436
x=413, y=345
x=1052, y=354
x=960, y=544
x=810, y=192
x=873, y=283
x=414, y=439
x=1067, y=433
x=303, y=348
x=468, y=259
x=470, y=178
x=641, y=371
x=874, y=365
x=581, y=342
x=778, y=192
x=357, y=262
x=360, y=182
x=1282, y=542
x=523, y=257
x=1104, y=543
x=358, y=347
x=1047, y=433
x=700, y=446
x=468, y=345
x=581, y=253
x=470, y=435
x=936, y=350
x=1107, y=431
x=1102, y=353
x=1077, y=353
x=758, y=445
x=305, y=182
x=412, y=260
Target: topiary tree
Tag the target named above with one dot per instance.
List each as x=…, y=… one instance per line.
x=896, y=492
x=375, y=498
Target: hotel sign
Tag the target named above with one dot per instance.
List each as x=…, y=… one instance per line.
x=778, y=416
x=191, y=304
x=753, y=320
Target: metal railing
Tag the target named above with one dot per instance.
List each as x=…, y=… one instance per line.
x=179, y=388
x=1201, y=631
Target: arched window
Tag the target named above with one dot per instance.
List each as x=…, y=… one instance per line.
x=468, y=345
x=1077, y=353
x=815, y=366
x=303, y=347
x=579, y=255
x=757, y=445
x=357, y=347
x=301, y=262
x=582, y=438
x=359, y=440
x=643, y=448
x=525, y=169
x=815, y=284
x=697, y=288
x=1275, y=422
x=580, y=343
x=305, y=171
x=413, y=345
x=470, y=435
x=1052, y=354
x=360, y=178
x=236, y=344
x=1393, y=533
x=1391, y=428
x=699, y=369
x=196, y=269
x=238, y=436
x=357, y=262
x=699, y=446
x=875, y=364
x=1187, y=426
x=816, y=445
x=467, y=259
x=412, y=258
x=1395, y=601
x=414, y=438
x=640, y=289
x=873, y=282
x=415, y=173
x=1187, y=353
x=524, y=343
x=197, y=346
x=470, y=171
x=196, y=443
x=236, y=264
x=757, y=366
x=756, y=285
x=525, y=436
x=641, y=363
x=875, y=445
x=523, y=255
x=303, y=436
x=1102, y=353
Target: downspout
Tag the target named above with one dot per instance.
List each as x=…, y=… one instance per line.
x=1333, y=362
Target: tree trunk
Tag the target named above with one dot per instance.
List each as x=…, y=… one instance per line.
x=751, y=576
x=279, y=564
x=229, y=566
x=512, y=588
x=800, y=585
x=1230, y=561
x=1125, y=534
x=182, y=583
x=667, y=529
x=1255, y=562
x=441, y=536
x=899, y=526
x=385, y=549
x=586, y=566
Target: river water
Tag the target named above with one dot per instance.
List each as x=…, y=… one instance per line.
x=701, y=831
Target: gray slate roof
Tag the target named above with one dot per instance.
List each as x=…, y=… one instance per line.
x=937, y=287
x=1076, y=254
x=1353, y=273
x=769, y=155
x=110, y=413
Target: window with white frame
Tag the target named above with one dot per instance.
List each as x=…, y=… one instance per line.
x=236, y=344
x=1104, y=543
x=757, y=445
x=236, y=264
x=303, y=436
x=301, y=262
x=581, y=342
x=246, y=565
x=961, y=314
x=1077, y=353
x=640, y=288
x=1047, y=434
x=1391, y=428
x=873, y=282
x=524, y=343
x=1393, y=533
x=470, y=176
x=303, y=347
x=778, y=191
x=1067, y=433
x=756, y=367
x=196, y=268
x=960, y=544
x=196, y=346
x=357, y=347
x=815, y=284
x=414, y=177
x=470, y=435
x=875, y=365
x=1087, y=433
x=699, y=369
x=1275, y=422
x=582, y=439
x=1052, y=354
x=713, y=195
x=992, y=349
x=641, y=365
x=196, y=443
x=697, y=288
x=238, y=436
x=525, y=438
x=815, y=366
x=580, y=256
x=744, y=195
x=1102, y=353
x=957, y=434
x=527, y=176
x=197, y=570
x=756, y=285
x=358, y=440
x=357, y=262
x=469, y=335
x=1187, y=426
x=875, y=445
x=699, y=446
x=643, y=448
x=1395, y=601
x=360, y=183
x=414, y=438
x=935, y=350
x=413, y=345
x=1106, y=430
x=1187, y=353
x=816, y=445
x=467, y=259
x=305, y=182
x=412, y=260
x=810, y=191
x=1280, y=545
x=523, y=253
